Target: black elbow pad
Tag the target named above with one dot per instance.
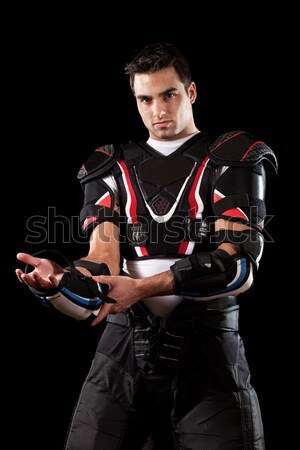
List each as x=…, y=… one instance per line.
x=205, y=276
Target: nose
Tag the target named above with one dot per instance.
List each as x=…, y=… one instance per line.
x=159, y=109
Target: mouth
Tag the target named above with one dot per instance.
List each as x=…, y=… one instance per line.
x=162, y=123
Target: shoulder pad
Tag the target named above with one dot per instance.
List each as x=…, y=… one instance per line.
x=240, y=149
x=197, y=147
x=100, y=161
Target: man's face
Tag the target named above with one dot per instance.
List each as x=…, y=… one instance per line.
x=164, y=104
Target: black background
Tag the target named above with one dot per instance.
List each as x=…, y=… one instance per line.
x=71, y=97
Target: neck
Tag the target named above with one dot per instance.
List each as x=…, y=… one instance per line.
x=183, y=134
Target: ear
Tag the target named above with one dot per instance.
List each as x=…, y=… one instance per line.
x=192, y=92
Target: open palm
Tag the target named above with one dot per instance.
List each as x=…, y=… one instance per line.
x=45, y=275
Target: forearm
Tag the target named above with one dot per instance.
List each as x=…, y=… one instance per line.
x=204, y=275
x=104, y=248
x=160, y=284
x=163, y=283
x=112, y=264
x=126, y=290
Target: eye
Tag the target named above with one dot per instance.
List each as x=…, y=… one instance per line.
x=145, y=100
x=170, y=95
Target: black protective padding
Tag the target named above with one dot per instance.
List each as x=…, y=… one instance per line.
x=102, y=213
x=232, y=201
x=243, y=188
x=94, y=268
x=241, y=149
x=160, y=180
x=251, y=242
x=210, y=270
x=99, y=162
x=74, y=280
x=164, y=171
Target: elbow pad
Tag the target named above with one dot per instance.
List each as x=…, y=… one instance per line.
x=206, y=276
x=77, y=295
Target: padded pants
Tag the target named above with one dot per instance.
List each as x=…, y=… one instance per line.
x=205, y=403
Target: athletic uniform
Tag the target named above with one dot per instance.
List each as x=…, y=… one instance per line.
x=174, y=365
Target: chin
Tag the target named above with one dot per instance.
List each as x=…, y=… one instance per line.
x=166, y=135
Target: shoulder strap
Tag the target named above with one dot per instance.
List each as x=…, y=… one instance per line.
x=240, y=149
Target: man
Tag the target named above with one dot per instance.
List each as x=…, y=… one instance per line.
x=175, y=235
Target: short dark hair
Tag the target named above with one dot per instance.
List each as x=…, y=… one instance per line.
x=155, y=57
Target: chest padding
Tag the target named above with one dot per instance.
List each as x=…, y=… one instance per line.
x=162, y=182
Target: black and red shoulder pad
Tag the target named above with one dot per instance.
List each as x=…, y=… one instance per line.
x=240, y=149
x=100, y=161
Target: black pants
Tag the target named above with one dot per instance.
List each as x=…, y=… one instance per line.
x=205, y=402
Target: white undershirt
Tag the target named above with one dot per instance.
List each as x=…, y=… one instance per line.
x=159, y=305
x=166, y=148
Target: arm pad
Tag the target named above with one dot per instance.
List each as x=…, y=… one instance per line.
x=77, y=295
x=206, y=276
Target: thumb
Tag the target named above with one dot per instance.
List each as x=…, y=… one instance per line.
x=105, y=279
x=104, y=311
x=28, y=259
x=105, y=285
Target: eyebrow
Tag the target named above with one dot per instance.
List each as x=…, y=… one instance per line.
x=161, y=94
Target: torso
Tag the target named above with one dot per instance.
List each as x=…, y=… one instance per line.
x=164, y=200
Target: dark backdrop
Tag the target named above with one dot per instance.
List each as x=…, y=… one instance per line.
x=69, y=100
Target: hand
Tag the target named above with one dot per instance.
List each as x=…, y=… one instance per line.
x=46, y=274
x=124, y=290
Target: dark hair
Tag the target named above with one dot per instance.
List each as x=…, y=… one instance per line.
x=155, y=57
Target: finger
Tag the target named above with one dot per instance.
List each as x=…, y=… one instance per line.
x=19, y=274
x=29, y=259
x=38, y=279
x=103, y=279
x=116, y=309
x=27, y=280
x=104, y=311
x=52, y=279
x=33, y=280
x=104, y=286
